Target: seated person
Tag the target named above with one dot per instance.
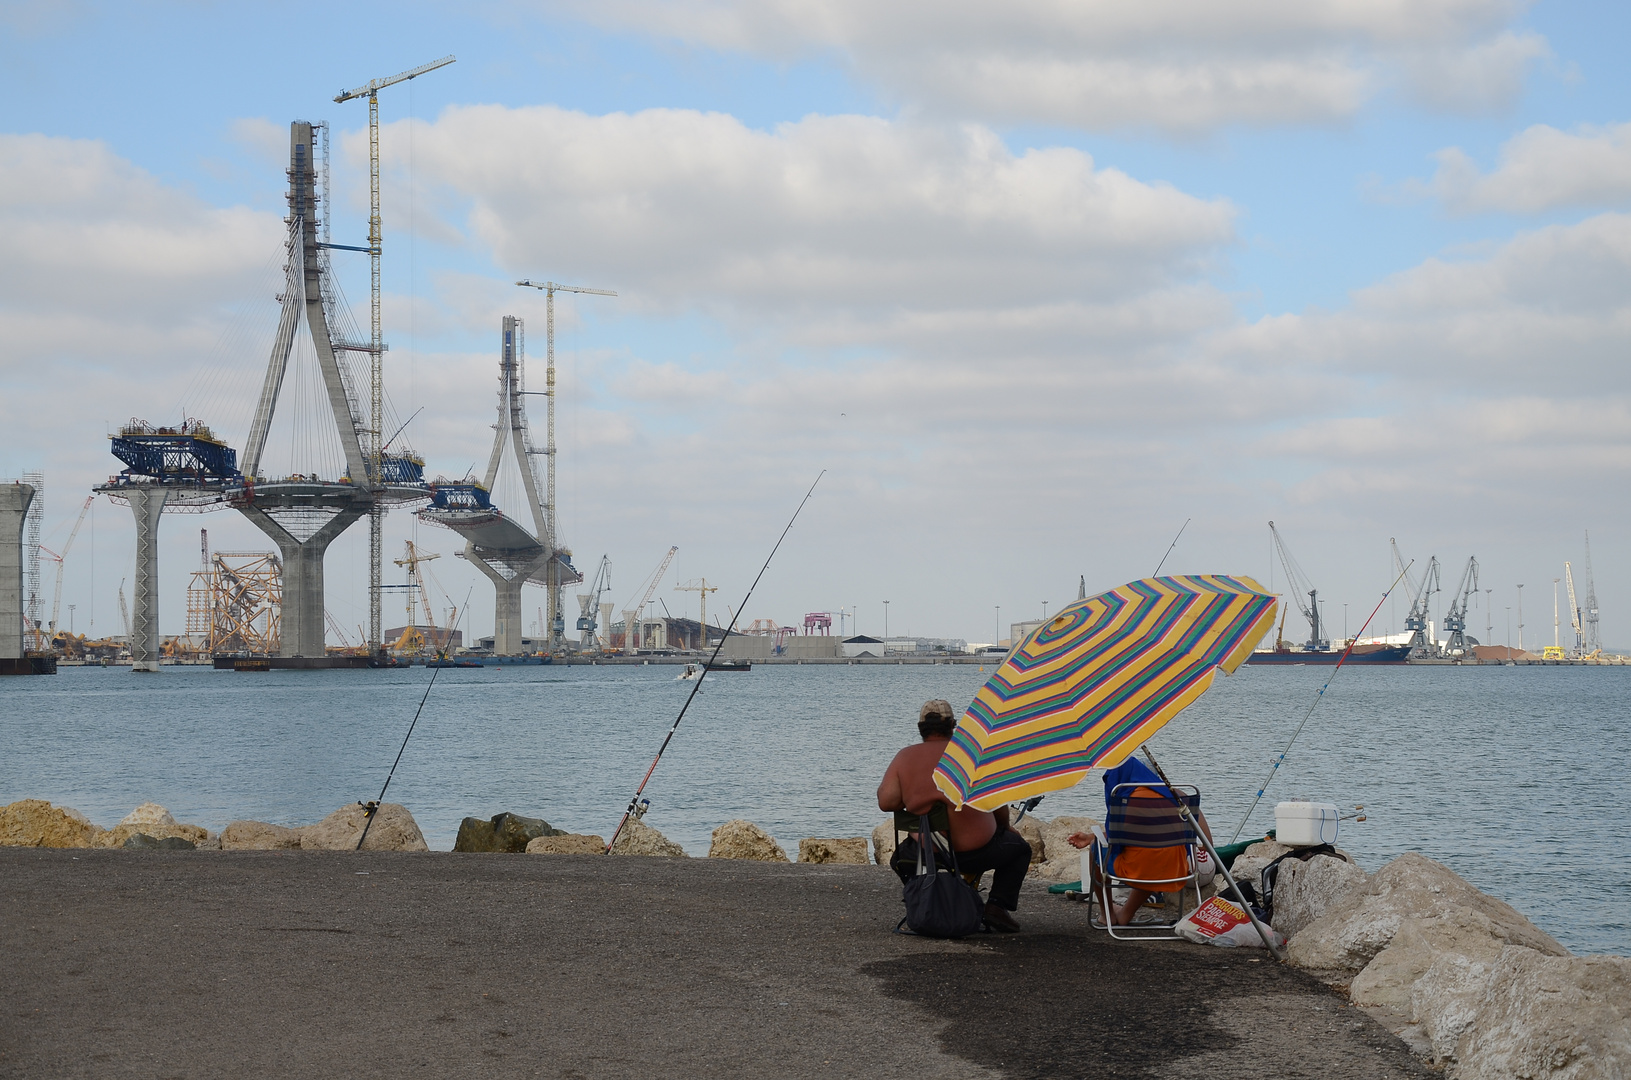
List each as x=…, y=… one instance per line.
x=983, y=841
x=1151, y=864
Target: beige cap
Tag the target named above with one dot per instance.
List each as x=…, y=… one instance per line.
x=936, y=707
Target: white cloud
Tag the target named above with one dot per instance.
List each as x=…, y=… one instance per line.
x=1181, y=65
x=1541, y=168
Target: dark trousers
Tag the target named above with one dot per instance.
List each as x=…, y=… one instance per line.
x=1007, y=853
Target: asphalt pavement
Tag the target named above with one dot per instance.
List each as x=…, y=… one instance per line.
x=212, y=964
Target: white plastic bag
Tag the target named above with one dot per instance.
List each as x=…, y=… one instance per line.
x=1219, y=922
x=1205, y=868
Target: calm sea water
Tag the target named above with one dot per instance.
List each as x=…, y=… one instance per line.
x=1514, y=777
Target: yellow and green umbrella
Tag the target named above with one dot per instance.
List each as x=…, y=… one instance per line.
x=1090, y=685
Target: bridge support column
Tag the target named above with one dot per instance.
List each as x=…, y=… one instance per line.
x=147, y=503
x=14, y=502
x=301, y=630
x=507, y=619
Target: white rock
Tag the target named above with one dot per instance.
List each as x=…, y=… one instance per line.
x=149, y=813
x=394, y=829
x=1064, y=861
x=1303, y=891
x=1350, y=935
x=1560, y=1017
x=1387, y=980
x=638, y=838
x=741, y=839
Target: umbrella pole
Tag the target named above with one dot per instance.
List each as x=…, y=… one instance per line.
x=1183, y=809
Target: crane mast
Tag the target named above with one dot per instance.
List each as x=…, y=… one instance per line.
x=1455, y=619
x=1419, y=620
x=589, y=605
x=1574, y=611
x=1594, y=644
x=632, y=616
x=556, y=622
x=1301, y=587
x=376, y=349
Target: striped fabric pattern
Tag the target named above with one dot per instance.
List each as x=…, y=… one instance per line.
x=1149, y=821
x=1089, y=686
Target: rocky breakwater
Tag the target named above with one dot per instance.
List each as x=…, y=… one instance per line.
x=1460, y=975
x=394, y=829
x=37, y=823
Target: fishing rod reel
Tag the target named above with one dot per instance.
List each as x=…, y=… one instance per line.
x=370, y=808
x=638, y=808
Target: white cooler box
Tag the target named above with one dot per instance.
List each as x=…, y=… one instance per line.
x=1305, y=824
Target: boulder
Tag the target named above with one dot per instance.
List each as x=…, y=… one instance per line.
x=1303, y=891
x=148, y=813
x=259, y=836
x=1567, y=1017
x=36, y=823
x=1248, y=865
x=1350, y=935
x=849, y=849
x=739, y=839
x=562, y=843
x=508, y=833
x=638, y=838
x=1064, y=861
x=883, y=841
x=393, y=830
x=1387, y=980
x=1031, y=829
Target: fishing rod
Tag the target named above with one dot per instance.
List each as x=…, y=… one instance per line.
x=1274, y=766
x=1170, y=546
x=371, y=808
x=634, y=802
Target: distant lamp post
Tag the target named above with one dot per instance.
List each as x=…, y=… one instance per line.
x=998, y=639
x=1044, y=611
x=1520, y=618
x=886, y=620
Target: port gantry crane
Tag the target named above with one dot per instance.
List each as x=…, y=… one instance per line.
x=376, y=345
x=1574, y=612
x=589, y=606
x=1593, y=644
x=1457, y=642
x=1301, y=587
x=1417, y=620
x=631, y=618
x=557, y=624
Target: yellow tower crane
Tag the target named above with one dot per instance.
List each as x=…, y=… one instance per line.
x=416, y=587
x=376, y=448
x=700, y=586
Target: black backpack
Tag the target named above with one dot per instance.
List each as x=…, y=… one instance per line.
x=939, y=903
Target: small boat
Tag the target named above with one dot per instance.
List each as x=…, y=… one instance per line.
x=730, y=665
x=691, y=673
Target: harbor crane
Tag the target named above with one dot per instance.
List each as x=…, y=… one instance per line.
x=376, y=345
x=631, y=618
x=1301, y=587
x=1457, y=642
x=56, y=600
x=124, y=609
x=1417, y=621
x=589, y=605
x=1594, y=644
x=550, y=288
x=1574, y=612
x=702, y=588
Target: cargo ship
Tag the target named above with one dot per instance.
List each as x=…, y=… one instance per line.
x=1362, y=654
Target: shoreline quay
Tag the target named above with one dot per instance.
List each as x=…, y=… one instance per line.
x=1457, y=976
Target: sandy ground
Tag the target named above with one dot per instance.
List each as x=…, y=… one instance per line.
x=317, y=964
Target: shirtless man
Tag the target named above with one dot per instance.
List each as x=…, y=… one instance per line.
x=983, y=841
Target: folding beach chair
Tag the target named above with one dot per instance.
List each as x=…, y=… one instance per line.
x=1144, y=813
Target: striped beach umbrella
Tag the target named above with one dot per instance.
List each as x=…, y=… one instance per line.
x=1090, y=685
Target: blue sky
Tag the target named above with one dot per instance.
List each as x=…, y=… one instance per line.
x=1028, y=327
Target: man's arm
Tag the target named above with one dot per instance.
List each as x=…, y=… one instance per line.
x=890, y=796
x=1002, y=818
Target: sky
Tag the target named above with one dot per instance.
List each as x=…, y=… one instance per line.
x=1029, y=287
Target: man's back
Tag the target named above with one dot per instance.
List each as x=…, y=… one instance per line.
x=913, y=771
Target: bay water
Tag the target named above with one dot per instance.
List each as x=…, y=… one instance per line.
x=1514, y=777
